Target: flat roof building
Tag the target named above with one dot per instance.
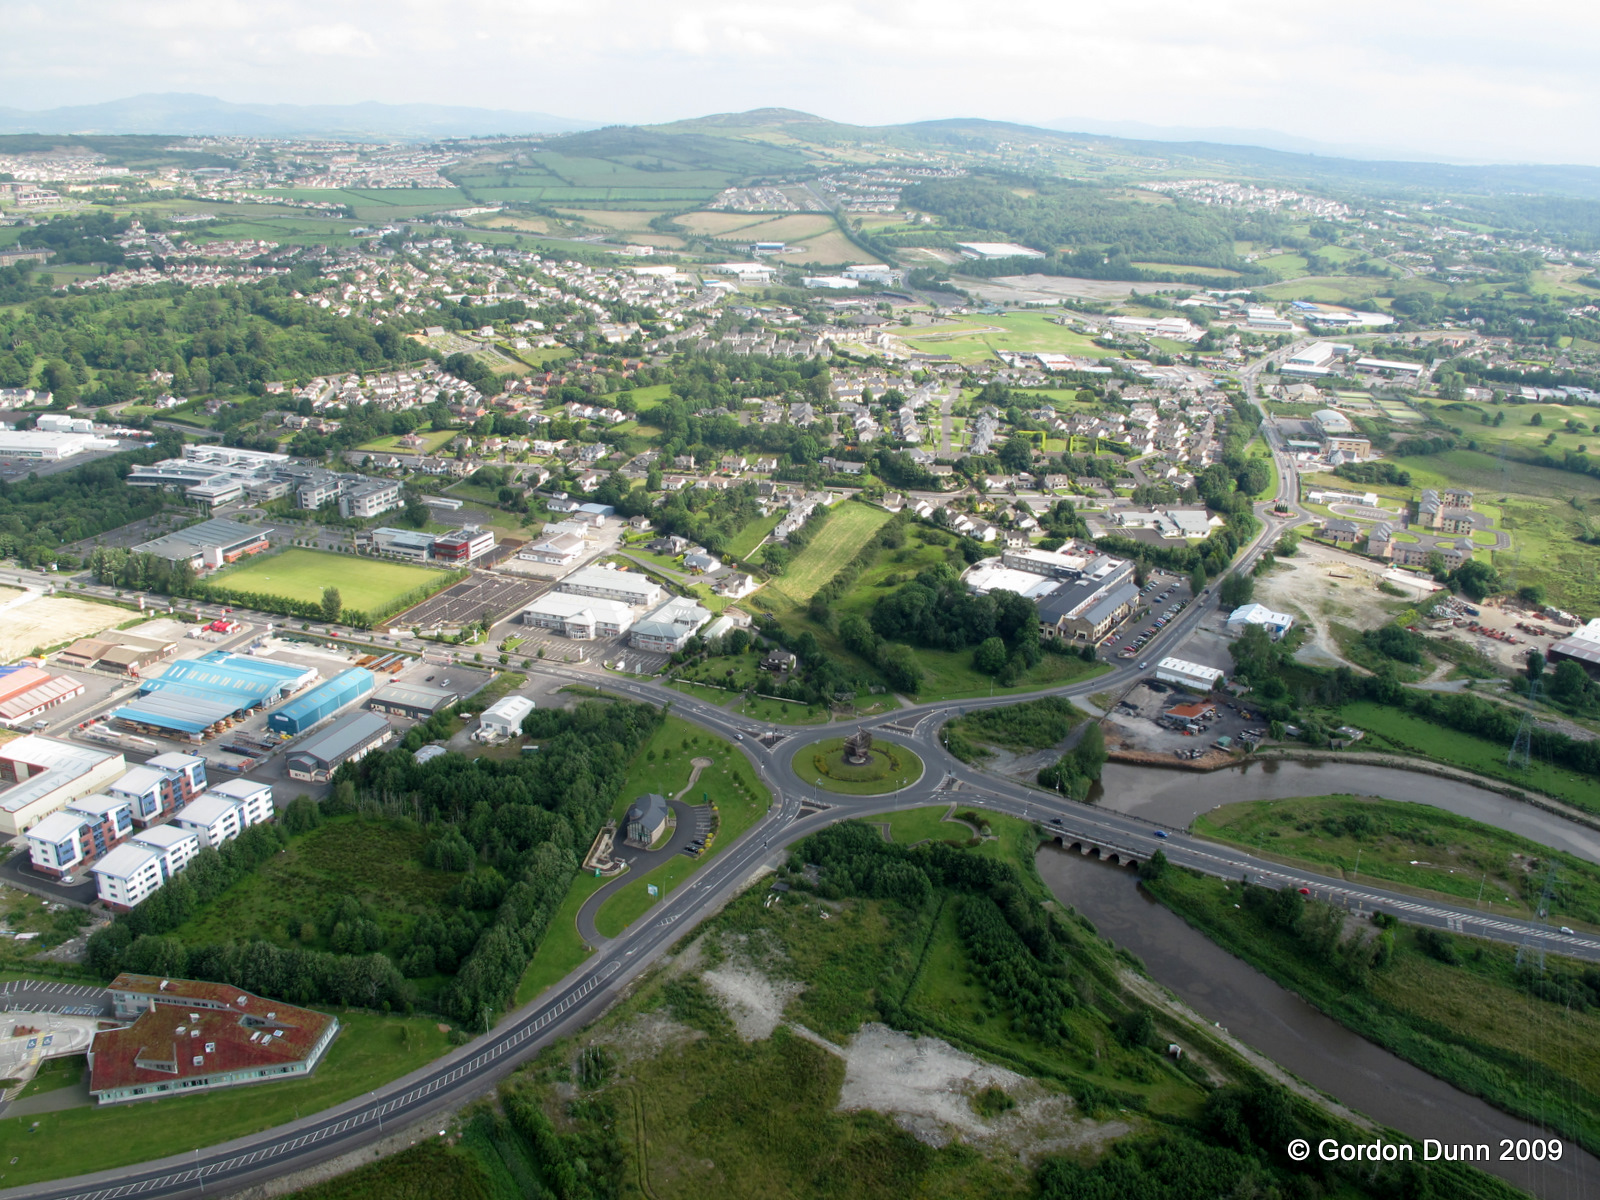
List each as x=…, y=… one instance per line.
x=668, y=628
x=189, y=1036
x=628, y=587
x=41, y=775
x=209, y=544
x=322, y=701
x=1275, y=623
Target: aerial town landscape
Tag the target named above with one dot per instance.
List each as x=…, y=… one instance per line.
x=751, y=655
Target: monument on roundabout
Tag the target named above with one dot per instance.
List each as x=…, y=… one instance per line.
x=858, y=747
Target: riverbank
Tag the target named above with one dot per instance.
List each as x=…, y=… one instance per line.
x=1244, y=1004
x=1458, y=1008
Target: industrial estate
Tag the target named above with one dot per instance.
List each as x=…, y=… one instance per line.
x=767, y=657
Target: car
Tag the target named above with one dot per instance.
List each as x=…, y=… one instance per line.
x=1305, y=891
x=429, y=679
x=1161, y=833
x=1055, y=820
x=1567, y=931
x=738, y=737
x=74, y=879
x=445, y=683
x=1144, y=664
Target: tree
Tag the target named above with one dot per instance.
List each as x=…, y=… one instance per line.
x=1237, y=589
x=415, y=512
x=1197, y=579
x=1569, y=682
x=1476, y=579
x=332, y=604
x=1535, y=665
x=990, y=656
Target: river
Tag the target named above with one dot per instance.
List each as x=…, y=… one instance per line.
x=1176, y=798
x=1285, y=1028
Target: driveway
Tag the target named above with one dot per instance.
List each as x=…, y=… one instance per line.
x=639, y=862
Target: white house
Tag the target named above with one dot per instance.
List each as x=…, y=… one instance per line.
x=1276, y=623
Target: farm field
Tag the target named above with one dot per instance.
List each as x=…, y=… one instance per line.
x=747, y=539
x=828, y=247
x=719, y=224
x=49, y=621
x=847, y=530
x=975, y=340
x=365, y=584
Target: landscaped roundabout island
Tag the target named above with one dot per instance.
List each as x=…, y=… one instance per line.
x=857, y=765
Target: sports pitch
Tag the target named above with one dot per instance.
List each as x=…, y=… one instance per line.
x=364, y=583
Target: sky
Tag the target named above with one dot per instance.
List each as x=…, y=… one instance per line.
x=1463, y=81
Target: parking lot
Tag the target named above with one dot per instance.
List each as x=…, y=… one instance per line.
x=558, y=647
x=494, y=596
x=1164, y=596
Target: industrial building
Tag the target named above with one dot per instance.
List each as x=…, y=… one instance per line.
x=117, y=652
x=40, y=775
x=25, y=692
x=503, y=719
x=208, y=545
x=1194, y=676
x=1275, y=623
x=410, y=544
x=561, y=550
x=415, y=701
x=346, y=740
x=322, y=701
x=198, y=697
x=667, y=629
x=580, y=617
x=1581, y=646
x=218, y=1035
x=31, y=446
x=627, y=587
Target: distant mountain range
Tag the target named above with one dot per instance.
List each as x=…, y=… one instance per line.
x=178, y=113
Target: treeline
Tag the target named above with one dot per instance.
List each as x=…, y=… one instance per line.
x=142, y=940
x=39, y=515
x=936, y=611
x=521, y=825
x=1078, y=770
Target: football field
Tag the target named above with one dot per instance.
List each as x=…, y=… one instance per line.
x=367, y=584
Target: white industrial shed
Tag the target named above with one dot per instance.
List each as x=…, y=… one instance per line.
x=503, y=718
x=1189, y=675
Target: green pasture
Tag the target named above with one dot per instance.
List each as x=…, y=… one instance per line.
x=365, y=584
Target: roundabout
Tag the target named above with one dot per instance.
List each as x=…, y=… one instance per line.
x=857, y=765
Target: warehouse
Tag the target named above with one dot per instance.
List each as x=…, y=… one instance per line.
x=346, y=740
x=1189, y=675
x=1275, y=623
x=579, y=617
x=25, y=692
x=322, y=701
x=209, y=544
x=40, y=775
x=503, y=718
x=628, y=587
x=414, y=701
x=49, y=447
x=195, y=697
x=118, y=652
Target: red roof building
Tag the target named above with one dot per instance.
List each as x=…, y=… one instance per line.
x=187, y=1036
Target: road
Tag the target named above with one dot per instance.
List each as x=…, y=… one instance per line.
x=583, y=995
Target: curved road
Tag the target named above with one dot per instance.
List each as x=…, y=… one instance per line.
x=579, y=998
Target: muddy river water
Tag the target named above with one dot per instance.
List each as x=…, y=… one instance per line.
x=1271, y=1019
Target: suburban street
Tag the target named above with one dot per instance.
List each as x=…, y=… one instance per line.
x=565, y=1008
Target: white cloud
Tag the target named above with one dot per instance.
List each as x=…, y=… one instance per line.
x=339, y=40
x=1467, y=80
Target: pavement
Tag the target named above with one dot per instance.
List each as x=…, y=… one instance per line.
x=639, y=862
x=796, y=812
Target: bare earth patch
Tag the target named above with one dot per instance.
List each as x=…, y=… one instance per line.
x=647, y=1036
x=755, y=1003
x=31, y=620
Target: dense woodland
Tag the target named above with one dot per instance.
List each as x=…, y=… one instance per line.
x=514, y=830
